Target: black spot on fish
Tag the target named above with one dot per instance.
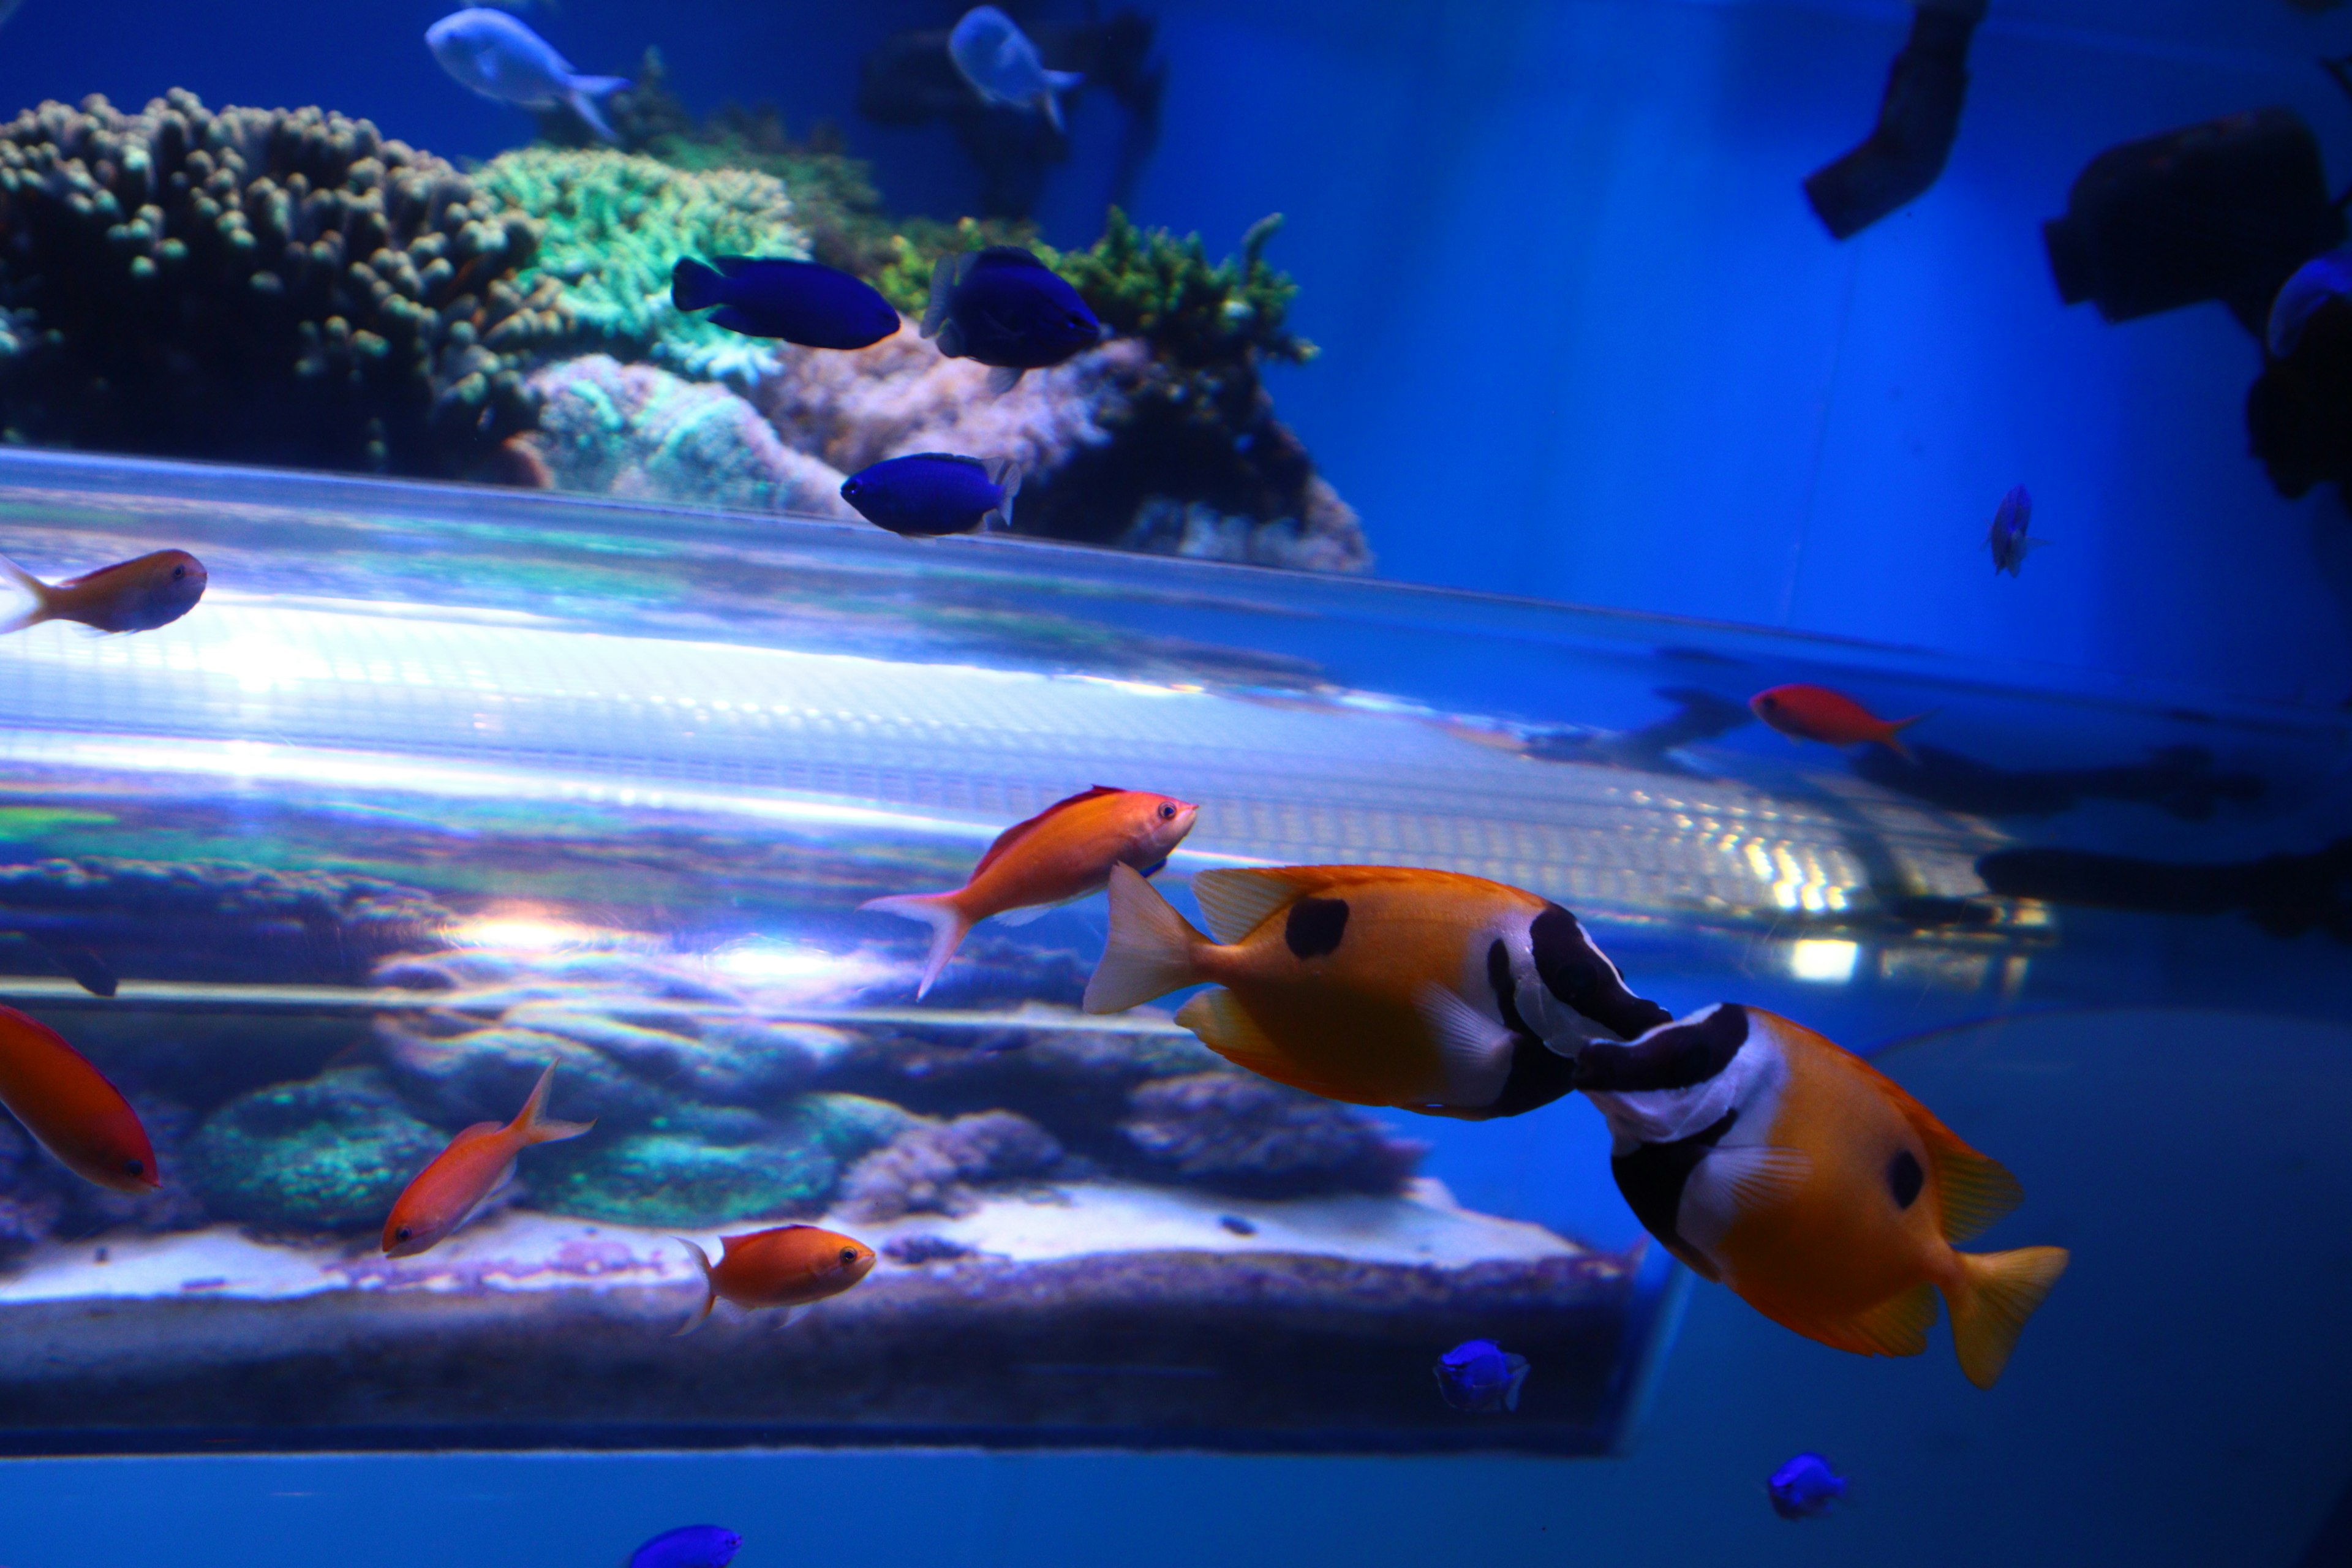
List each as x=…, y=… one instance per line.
x=1679, y=1058
x=1580, y=975
x=1905, y=1178
x=1652, y=1177
x=1315, y=926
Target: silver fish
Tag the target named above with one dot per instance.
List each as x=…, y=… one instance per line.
x=498, y=56
x=996, y=56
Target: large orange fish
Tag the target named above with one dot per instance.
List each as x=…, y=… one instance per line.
x=1810, y=1183
x=70, y=1109
x=789, y=1266
x=129, y=596
x=476, y=1163
x=1061, y=854
x=1375, y=985
x=1817, y=713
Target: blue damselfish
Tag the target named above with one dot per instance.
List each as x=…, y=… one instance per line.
x=802, y=303
x=1480, y=1376
x=1804, y=1487
x=693, y=1546
x=935, y=493
x=1007, y=310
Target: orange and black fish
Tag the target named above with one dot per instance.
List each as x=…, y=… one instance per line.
x=1375, y=985
x=72, y=1109
x=1817, y=713
x=1061, y=854
x=129, y=596
x=476, y=1163
x=1769, y=1158
x=789, y=1266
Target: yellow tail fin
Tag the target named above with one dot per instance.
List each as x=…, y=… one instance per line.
x=532, y=1121
x=710, y=1291
x=947, y=920
x=1997, y=1293
x=40, y=605
x=1151, y=949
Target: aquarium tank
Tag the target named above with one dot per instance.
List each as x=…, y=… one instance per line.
x=1154, y=781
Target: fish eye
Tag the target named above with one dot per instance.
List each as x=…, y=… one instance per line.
x=178, y=572
x=403, y=1234
x=849, y=1254
x=135, y=1167
x=1167, y=812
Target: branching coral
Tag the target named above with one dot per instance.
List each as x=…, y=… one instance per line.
x=1195, y=314
x=274, y=285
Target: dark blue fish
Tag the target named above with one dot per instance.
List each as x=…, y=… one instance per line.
x=1480, y=1376
x=694, y=1546
x=2299, y=299
x=2007, y=539
x=1804, y=1487
x=1007, y=310
x=935, y=493
x=799, y=301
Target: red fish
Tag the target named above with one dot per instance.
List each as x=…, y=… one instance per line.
x=789, y=1266
x=130, y=597
x=1059, y=856
x=476, y=1163
x=70, y=1109
x=1817, y=713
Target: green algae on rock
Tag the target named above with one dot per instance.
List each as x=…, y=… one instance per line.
x=327, y=1154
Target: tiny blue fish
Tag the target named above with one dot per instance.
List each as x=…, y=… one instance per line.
x=1007, y=310
x=694, y=1546
x=1804, y=1487
x=935, y=493
x=2006, y=539
x=801, y=302
x=500, y=58
x=995, y=55
x=1480, y=1376
x=2315, y=283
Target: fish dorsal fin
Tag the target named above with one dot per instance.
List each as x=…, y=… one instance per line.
x=1217, y=1017
x=727, y=1243
x=1238, y=899
x=1972, y=1190
x=1020, y=830
x=1005, y=256
x=947, y=457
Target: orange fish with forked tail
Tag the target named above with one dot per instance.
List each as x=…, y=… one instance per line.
x=476, y=1163
x=130, y=597
x=789, y=1266
x=1793, y=1171
x=72, y=1109
x=1061, y=854
x=1817, y=713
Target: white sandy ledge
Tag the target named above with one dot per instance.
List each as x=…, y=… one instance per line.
x=520, y=1250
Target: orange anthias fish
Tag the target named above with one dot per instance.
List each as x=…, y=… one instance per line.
x=791, y=1265
x=1817, y=713
x=1376, y=985
x=1061, y=854
x=130, y=597
x=70, y=1109
x=476, y=1163
x=1767, y=1158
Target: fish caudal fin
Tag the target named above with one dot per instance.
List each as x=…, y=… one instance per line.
x=709, y=1291
x=1005, y=474
x=33, y=613
x=1996, y=1293
x=940, y=911
x=1889, y=737
x=532, y=1122
x=1151, y=949
x=582, y=95
x=693, y=286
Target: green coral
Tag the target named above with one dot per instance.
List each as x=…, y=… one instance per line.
x=328, y=1153
x=1195, y=314
x=612, y=225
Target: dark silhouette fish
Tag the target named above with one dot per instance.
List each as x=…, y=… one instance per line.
x=932, y=493
x=1008, y=310
x=2284, y=895
x=1698, y=716
x=802, y=303
x=2178, y=780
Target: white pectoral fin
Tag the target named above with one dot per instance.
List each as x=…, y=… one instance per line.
x=1475, y=1049
x=1730, y=1183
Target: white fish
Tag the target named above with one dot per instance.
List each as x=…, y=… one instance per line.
x=2315, y=283
x=996, y=56
x=498, y=56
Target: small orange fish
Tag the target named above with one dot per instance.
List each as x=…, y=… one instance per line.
x=476, y=1163
x=789, y=1266
x=1817, y=713
x=1795, y=1173
x=70, y=1109
x=130, y=597
x=1057, y=856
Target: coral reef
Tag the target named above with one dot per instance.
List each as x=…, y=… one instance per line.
x=328, y=1153
x=270, y=285
x=935, y=1169
x=638, y=431
x=1238, y=1133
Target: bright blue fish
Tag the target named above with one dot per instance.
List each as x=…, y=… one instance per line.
x=996, y=56
x=695, y=1546
x=1480, y=1376
x=498, y=56
x=1805, y=1486
x=2315, y=283
x=799, y=301
x=935, y=493
x=2007, y=539
x=1007, y=310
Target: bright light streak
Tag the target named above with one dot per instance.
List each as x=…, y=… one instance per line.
x=1824, y=963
